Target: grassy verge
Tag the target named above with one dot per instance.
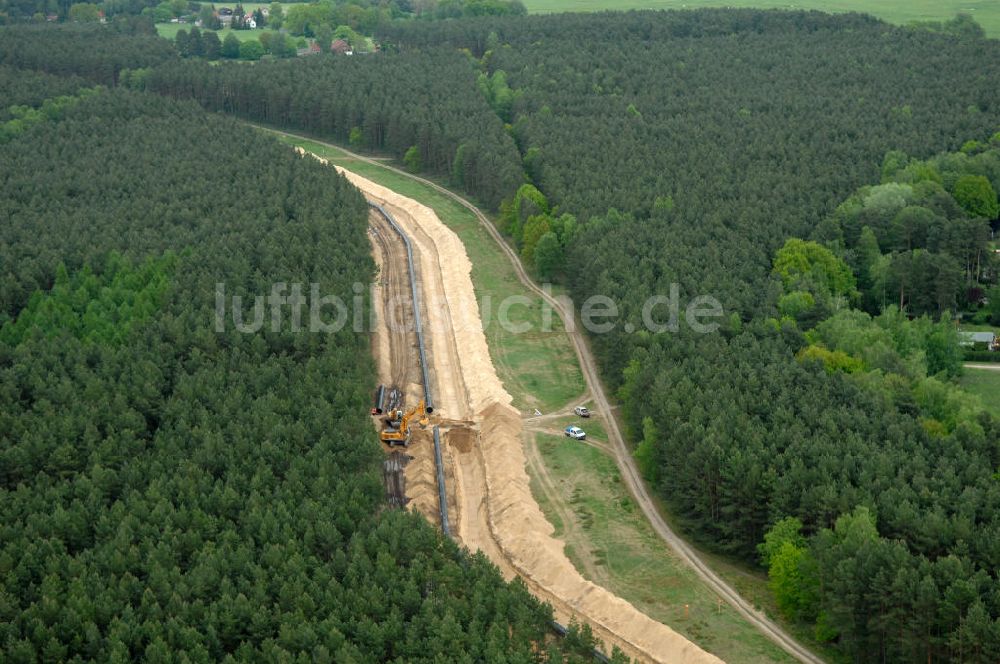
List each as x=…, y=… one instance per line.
x=901, y=12
x=751, y=583
x=986, y=384
x=594, y=426
x=538, y=368
x=611, y=532
x=969, y=327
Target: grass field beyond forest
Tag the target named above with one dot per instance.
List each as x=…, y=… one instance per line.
x=900, y=12
x=986, y=12
x=170, y=30
x=986, y=384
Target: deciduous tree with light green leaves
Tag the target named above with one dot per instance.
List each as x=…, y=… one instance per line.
x=498, y=93
x=807, y=265
x=977, y=196
x=536, y=227
x=84, y=12
x=645, y=453
x=796, y=304
x=251, y=50
x=528, y=202
x=791, y=569
x=324, y=37
x=833, y=361
x=412, y=159
x=548, y=256
x=356, y=137
x=276, y=16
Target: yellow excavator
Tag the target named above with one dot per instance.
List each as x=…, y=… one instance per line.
x=397, y=425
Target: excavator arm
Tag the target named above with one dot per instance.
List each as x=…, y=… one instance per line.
x=397, y=431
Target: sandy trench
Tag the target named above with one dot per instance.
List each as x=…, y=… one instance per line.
x=496, y=511
x=393, y=345
x=380, y=331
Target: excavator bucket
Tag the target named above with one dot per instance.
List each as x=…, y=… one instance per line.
x=397, y=425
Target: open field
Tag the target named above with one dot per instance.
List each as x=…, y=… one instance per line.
x=593, y=426
x=969, y=327
x=170, y=30
x=986, y=384
x=249, y=7
x=538, y=368
x=986, y=12
x=610, y=541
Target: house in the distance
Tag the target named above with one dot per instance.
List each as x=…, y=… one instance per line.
x=340, y=47
x=979, y=340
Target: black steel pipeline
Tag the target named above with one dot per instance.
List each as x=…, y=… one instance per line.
x=428, y=398
x=442, y=495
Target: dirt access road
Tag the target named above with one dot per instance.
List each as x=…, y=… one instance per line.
x=989, y=367
x=622, y=455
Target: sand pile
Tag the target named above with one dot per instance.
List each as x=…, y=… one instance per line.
x=421, y=478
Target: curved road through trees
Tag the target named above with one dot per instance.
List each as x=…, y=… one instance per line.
x=623, y=458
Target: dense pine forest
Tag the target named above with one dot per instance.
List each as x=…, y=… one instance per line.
x=98, y=53
x=424, y=108
x=171, y=493
x=28, y=88
x=688, y=148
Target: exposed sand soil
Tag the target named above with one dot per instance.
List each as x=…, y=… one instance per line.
x=496, y=511
x=394, y=342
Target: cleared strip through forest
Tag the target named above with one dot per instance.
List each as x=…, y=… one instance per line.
x=558, y=628
x=442, y=491
x=415, y=294
x=497, y=513
x=428, y=393
x=623, y=457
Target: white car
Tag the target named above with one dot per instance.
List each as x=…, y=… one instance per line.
x=581, y=411
x=576, y=433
